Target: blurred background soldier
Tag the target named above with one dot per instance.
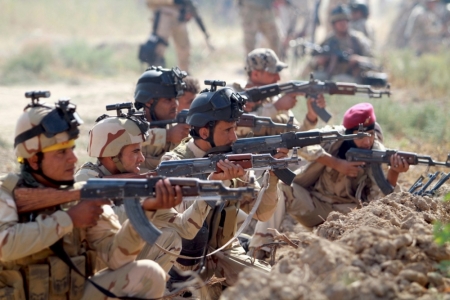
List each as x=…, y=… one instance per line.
x=345, y=53
x=169, y=20
x=156, y=93
x=424, y=29
x=190, y=91
x=359, y=17
x=258, y=16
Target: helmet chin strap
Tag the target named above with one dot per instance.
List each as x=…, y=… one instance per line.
x=118, y=164
x=210, y=138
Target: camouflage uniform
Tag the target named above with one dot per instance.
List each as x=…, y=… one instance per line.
x=423, y=30
x=353, y=43
x=230, y=262
x=267, y=109
x=171, y=21
x=362, y=26
x=154, y=148
x=318, y=190
x=29, y=267
x=258, y=16
x=174, y=225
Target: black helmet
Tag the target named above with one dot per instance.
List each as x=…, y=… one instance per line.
x=340, y=12
x=360, y=5
x=214, y=105
x=156, y=83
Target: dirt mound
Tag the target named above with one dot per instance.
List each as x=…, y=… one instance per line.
x=382, y=251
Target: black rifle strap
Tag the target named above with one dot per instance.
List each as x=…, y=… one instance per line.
x=59, y=251
x=156, y=22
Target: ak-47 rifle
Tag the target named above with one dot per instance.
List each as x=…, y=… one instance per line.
x=313, y=88
x=377, y=157
x=188, y=167
x=128, y=190
x=192, y=8
x=246, y=120
x=289, y=140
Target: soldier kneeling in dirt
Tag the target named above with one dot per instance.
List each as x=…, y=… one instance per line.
x=329, y=182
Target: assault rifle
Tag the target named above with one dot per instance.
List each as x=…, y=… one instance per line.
x=128, y=190
x=187, y=167
x=313, y=88
x=289, y=140
x=431, y=178
x=192, y=8
x=376, y=157
x=246, y=120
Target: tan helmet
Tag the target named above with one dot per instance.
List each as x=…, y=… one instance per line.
x=43, y=128
x=111, y=134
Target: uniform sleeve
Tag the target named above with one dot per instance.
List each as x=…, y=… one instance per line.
x=186, y=224
x=19, y=240
x=268, y=203
x=307, y=124
x=154, y=148
x=85, y=174
x=116, y=244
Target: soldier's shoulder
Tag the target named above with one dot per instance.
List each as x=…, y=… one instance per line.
x=88, y=170
x=8, y=182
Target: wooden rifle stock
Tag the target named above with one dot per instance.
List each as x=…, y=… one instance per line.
x=32, y=199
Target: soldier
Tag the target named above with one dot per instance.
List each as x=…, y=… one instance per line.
x=423, y=31
x=345, y=53
x=190, y=91
x=263, y=67
x=258, y=16
x=358, y=22
x=156, y=92
x=44, y=144
x=329, y=182
x=212, y=118
x=116, y=143
x=169, y=20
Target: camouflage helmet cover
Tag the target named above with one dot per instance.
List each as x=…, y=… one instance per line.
x=41, y=126
x=111, y=134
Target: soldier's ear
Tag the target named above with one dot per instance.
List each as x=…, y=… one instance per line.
x=34, y=162
x=204, y=133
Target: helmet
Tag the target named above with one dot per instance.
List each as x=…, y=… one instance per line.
x=41, y=126
x=340, y=12
x=211, y=106
x=156, y=83
x=111, y=134
x=360, y=5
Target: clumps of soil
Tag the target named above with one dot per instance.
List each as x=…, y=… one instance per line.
x=384, y=250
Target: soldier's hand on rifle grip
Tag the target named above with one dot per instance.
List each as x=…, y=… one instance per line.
x=230, y=171
x=177, y=133
x=398, y=164
x=167, y=196
x=86, y=213
x=351, y=169
x=286, y=102
x=281, y=153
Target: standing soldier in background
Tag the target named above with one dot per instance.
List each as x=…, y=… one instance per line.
x=258, y=16
x=424, y=29
x=359, y=17
x=156, y=93
x=169, y=20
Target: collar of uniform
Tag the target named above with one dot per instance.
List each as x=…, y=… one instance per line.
x=103, y=169
x=196, y=150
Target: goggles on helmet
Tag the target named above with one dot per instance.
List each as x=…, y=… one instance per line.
x=61, y=119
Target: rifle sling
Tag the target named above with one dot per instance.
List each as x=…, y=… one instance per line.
x=59, y=251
